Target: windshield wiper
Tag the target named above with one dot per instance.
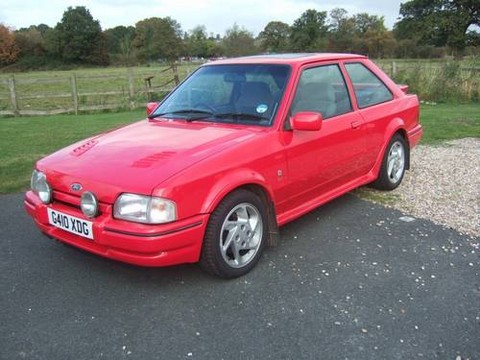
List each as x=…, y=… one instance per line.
x=201, y=114
x=240, y=115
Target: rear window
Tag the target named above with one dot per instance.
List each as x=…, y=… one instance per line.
x=369, y=89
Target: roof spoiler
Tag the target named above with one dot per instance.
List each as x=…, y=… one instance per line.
x=403, y=87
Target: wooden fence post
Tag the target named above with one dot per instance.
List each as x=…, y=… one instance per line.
x=394, y=68
x=13, y=95
x=175, y=73
x=73, y=82
x=131, y=89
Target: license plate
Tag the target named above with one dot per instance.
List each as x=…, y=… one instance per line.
x=70, y=223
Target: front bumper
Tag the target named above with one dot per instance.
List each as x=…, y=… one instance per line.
x=139, y=244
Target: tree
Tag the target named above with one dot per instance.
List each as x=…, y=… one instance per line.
x=309, y=31
x=199, y=44
x=342, y=31
x=8, y=48
x=120, y=43
x=338, y=18
x=473, y=39
x=438, y=22
x=360, y=33
x=32, y=43
x=31, y=40
x=78, y=38
x=371, y=36
x=379, y=44
x=238, y=41
x=274, y=37
x=365, y=22
x=158, y=39
x=117, y=37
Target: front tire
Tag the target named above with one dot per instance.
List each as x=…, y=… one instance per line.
x=235, y=237
x=393, y=165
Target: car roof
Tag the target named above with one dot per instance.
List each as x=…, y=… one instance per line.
x=289, y=58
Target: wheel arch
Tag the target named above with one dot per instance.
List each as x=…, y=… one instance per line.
x=396, y=126
x=403, y=133
x=383, y=180
x=250, y=181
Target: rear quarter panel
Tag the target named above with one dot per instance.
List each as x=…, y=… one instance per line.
x=385, y=119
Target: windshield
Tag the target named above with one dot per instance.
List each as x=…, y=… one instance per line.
x=245, y=94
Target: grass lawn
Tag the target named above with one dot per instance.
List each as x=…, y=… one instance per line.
x=446, y=121
x=25, y=140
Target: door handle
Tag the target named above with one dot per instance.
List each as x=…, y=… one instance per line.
x=356, y=124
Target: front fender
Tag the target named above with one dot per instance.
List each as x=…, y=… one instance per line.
x=234, y=179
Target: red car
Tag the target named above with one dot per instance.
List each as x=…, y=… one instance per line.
x=239, y=148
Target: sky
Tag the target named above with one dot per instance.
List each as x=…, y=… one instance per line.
x=216, y=15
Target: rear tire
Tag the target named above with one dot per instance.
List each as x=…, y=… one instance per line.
x=393, y=165
x=235, y=236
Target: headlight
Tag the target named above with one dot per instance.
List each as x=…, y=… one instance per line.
x=40, y=186
x=144, y=209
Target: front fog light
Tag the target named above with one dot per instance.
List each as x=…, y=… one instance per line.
x=40, y=186
x=89, y=204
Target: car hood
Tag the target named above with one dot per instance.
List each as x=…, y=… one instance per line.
x=138, y=157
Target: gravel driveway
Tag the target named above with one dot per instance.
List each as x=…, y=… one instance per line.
x=443, y=185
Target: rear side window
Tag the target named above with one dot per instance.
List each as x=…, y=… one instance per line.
x=322, y=89
x=369, y=89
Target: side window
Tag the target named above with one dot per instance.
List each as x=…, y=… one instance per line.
x=322, y=89
x=369, y=89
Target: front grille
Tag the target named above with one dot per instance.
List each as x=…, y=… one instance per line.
x=66, y=199
x=73, y=202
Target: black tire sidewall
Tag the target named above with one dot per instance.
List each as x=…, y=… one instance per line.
x=212, y=260
x=384, y=178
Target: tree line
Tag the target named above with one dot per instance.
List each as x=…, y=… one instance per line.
x=424, y=29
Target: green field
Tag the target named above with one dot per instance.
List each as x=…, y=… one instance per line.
x=432, y=80
x=25, y=140
x=439, y=80
x=52, y=90
x=447, y=121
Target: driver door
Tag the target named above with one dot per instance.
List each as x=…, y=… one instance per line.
x=320, y=162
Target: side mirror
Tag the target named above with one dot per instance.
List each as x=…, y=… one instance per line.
x=306, y=121
x=151, y=106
